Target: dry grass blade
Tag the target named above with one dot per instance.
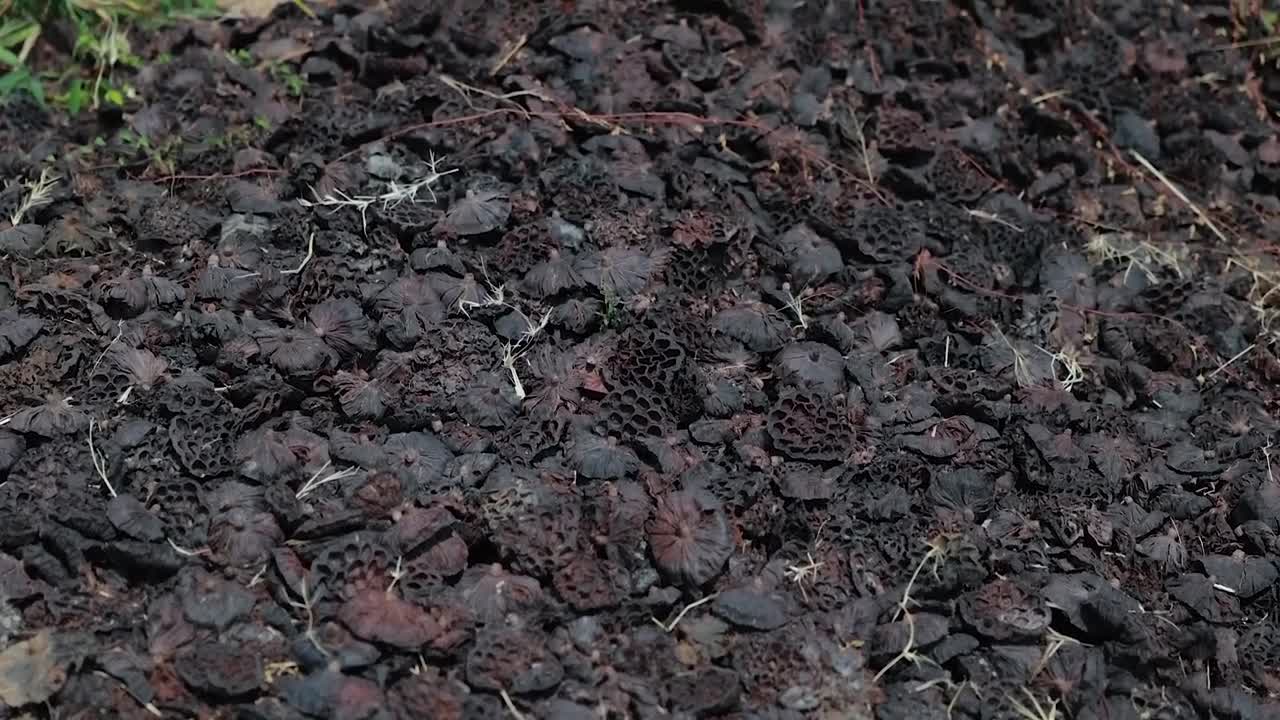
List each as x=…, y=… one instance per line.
x=184, y=552
x=107, y=349
x=861, y=127
x=311, y=253
x=795, y=303
x=306, y=260
x=992, y=217
x=309, y=599
x=511, y=706
x=39, y=194
x=1137, y=254
x=319, y=479
x=466, y=91
x=668, y=627
x=1021, y=372
x=99, y=462
x=509, y=357
x=1036, y=710
x=1051, y=95
x=1204, y=217
x=1264, y=288
x=1246, y=44
x=509, y=54
x=1228, y=363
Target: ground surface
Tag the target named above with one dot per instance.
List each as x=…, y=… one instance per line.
x=610, y=360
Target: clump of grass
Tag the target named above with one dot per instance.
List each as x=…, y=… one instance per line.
x=613, y=309
x=1137, y=254
x=795, y=303
x=1264, y=290
x=395, y=195
x=1021, y=367
x=284, y=73
x=101, y=31
x=1069, y=358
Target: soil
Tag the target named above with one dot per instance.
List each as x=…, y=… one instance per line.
x=594, y=359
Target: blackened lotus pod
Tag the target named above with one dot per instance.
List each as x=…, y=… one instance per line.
x=478, y=213
x=690, y=537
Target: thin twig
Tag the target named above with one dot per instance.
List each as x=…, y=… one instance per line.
x=207, y=178
x=1057, y=641
x=1158, y=615
x=1070, y=359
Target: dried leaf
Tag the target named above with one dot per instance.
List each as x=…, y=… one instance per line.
x=1114, y=457
x=31, y=672
x=248, y=8
x=383, y=618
